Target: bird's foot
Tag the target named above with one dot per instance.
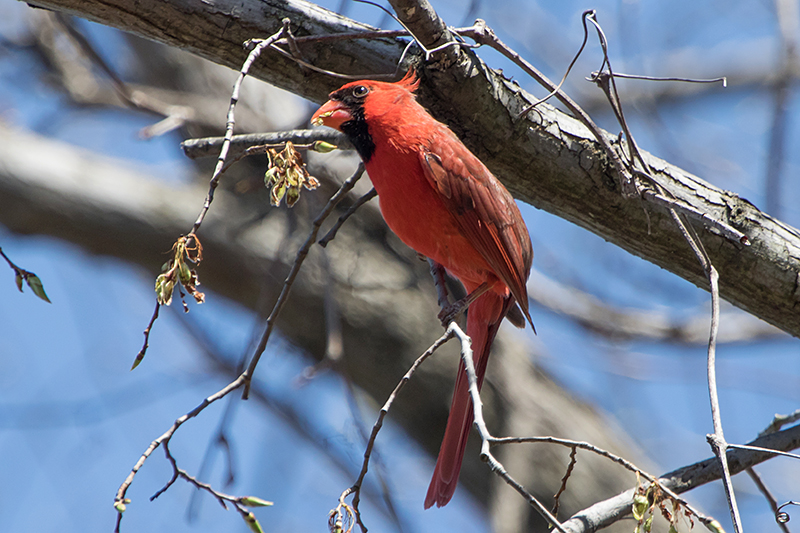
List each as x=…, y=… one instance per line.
x=451, y=312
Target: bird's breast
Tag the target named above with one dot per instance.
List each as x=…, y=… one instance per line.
x=414, y=211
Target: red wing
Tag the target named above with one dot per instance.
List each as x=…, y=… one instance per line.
x=485, y=212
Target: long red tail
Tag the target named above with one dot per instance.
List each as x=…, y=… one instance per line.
x=483, y=320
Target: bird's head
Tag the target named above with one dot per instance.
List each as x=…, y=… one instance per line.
x=348, y=102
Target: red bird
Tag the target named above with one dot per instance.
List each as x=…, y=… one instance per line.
x=445, y=204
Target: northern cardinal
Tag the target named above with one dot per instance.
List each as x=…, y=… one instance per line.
x=445, y=204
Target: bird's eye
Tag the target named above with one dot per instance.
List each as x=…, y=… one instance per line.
x=359, y=91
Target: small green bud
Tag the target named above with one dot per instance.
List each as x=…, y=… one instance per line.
x=271, y=176
x=252, y=523
x=292, y=176
x=252, y=501
x=324, y=147
x=164, y=288
x=292, y=195
x=185, y=274
x=277, y=193
x=640, y=505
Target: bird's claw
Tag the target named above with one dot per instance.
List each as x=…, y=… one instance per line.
x=450, y=313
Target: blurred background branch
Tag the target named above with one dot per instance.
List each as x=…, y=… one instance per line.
x=112, y=206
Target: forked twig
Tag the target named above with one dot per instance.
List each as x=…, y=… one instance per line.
x=259, y=46
x=486, y=437
x=717, y=440
x=221, y=160
x=347, y=214
x=355, y=489
x=298, y=261
x=120, y=500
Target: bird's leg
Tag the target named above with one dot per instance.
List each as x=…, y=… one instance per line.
x=452, y=311
x=437, y=271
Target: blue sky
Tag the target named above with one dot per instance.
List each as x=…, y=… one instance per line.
x=74, y=419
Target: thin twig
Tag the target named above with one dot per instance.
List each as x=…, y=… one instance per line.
x=779, y=421
x=120, y=501
x=13, y=266
x=717, y=440
x=573, y=460
x=556, y=89
x=230, y=122
x=673, y=203
x=208, y=146
x=294, y=52
x=355, y=489
x=298, y=261
x=765, y=450
x=723, y=79
x=379, y=34
x=331, y=73
x=347, y=214
x=569, y=443
x=773, y=503
x=146, y=345
x=486, y=437
x=607, y=82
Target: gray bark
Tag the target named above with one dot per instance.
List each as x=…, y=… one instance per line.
x=550, y=160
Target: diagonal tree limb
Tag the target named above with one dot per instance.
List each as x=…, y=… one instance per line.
x=549, y=160
x=684, y=479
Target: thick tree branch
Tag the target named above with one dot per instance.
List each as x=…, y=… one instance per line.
x=549, y=160
x=657, y=325
x=684, y=479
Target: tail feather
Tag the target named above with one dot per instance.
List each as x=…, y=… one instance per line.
x=483, y=320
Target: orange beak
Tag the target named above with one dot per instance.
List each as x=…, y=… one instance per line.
x=332, y=114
